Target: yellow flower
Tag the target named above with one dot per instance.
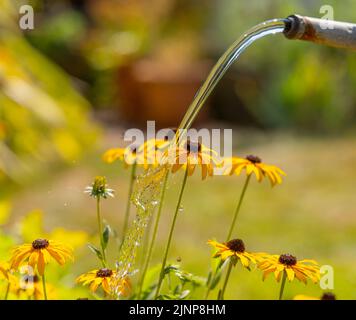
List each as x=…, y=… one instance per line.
x=192, y=155
x=254, y=165
x=38, y=254
x=302, y=270
x=234, y=248
x=106, y=278
x=131, y=155
x=325, y=296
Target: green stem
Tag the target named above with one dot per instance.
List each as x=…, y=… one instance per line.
x=154, y=235
x=100, y=226
x=128, y=205
x=7, y=291
x=44, y=286
x=161, y=276
x=282, y=285
x=238, y=208
x=222, y=292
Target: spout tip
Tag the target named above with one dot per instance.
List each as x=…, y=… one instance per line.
x=294, y=28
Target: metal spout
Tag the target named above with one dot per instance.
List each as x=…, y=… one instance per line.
x=326, y=32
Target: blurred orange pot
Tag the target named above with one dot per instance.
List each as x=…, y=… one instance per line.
x=150, y=90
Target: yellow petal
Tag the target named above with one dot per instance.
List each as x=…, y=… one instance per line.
x=290, y=274
x=41, y=263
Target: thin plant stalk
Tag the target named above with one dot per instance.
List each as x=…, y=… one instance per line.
x=282, y=286
x=44, y=287
x=154, y=235
x=128, y=204
x=7, y=291
x=233, y=223
x=100, y=226
x=161, y=276
x=222, y=292
x=242, y=196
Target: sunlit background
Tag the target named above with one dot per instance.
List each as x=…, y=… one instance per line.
x=91, y=69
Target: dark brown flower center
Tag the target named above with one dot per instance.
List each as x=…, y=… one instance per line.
x=287, y=259
x=193, y=147
x=236, y=245
x=40, y=244
x=253, y=159
x=328, y=296
x=105, y=272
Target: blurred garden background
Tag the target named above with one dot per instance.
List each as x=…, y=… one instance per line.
x=91, y=69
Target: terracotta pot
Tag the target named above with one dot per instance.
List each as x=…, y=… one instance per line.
x=151, y=90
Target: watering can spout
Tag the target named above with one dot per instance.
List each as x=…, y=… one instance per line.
x=321, y=31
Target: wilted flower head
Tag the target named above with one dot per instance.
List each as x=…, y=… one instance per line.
x=99, y=188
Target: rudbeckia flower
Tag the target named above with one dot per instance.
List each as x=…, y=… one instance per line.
x=38, y=254
x=106, y=278
x=131, y=155
x=288, y=264
x=234, y=248
x=192, y=155
x=254, y=165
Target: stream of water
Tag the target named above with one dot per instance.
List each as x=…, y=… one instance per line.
x=148, y=185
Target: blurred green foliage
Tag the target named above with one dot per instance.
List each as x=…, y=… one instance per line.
x=42, y=117
x=282, y=84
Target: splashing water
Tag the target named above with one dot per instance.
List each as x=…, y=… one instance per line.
x=146, y=198
x=148, y=185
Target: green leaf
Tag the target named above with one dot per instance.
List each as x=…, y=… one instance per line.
x=96, y=251
x=216, y=279
x=106, y=235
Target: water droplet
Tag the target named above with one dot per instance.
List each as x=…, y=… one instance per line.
x=181, y=209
